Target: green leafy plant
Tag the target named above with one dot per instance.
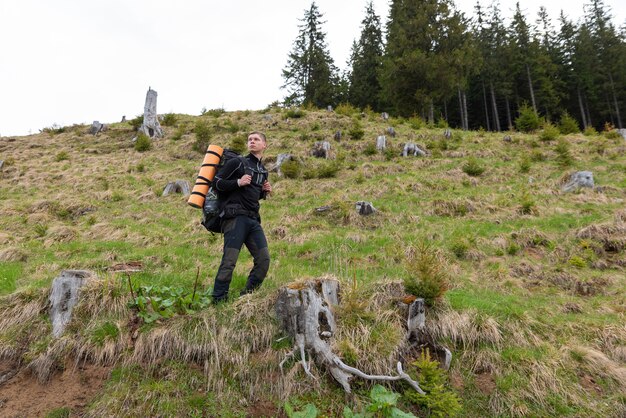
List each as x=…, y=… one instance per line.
x=160, y=302
x=564, y=157
x=142, y=143
x=382, y=404
x=439, y=400
x=309, y=411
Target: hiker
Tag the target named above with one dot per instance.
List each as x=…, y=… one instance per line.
x=244, y=181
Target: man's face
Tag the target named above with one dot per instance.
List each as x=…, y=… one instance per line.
x=256, y=143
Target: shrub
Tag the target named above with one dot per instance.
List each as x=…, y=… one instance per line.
x=537, y=156
x=203, y=135
x=370, y=149
x=136, y=122
x=61, y=156
x=390, y=153
x=527, y=204
x=346, y=109
x=238, y=144
x=472, y=167
x=525, y=164
x=612, y=134
x=528, y=120
x=213, y=112
x=327, y=170
x=459, y=247
x=563, y=157
x=169, y=119
x=568, y=125
x=427, y=274
x=439, y=400
x=590, y=131
x=549, y=132
x=142, y=143
x=180, y=131
x=356, y=132
x=294, y=113
x=291, y=169
x=416, y=122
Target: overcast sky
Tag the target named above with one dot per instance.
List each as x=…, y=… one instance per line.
x=76, y=61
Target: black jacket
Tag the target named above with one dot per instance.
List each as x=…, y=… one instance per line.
x=241, y=200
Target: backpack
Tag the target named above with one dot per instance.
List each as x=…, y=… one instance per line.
x=212, y=209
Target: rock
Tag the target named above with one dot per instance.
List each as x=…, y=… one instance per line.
x=64, y=296
x=178, y=186
x=97, y=127
x=391, y=131
x=411, y=147
x=381, y=143
x=578, y=180
x=365, y=208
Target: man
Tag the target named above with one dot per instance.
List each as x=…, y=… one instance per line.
x=244, y=181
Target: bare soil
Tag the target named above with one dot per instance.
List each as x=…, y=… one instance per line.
x=73, y=388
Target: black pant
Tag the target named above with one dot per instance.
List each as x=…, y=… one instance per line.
x=238, y=231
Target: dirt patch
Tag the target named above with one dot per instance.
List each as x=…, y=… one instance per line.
x=264, y=409
x=590, y=384
x=24, y=396
x=486, y=383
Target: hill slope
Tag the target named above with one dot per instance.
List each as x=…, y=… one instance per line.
x=534, y=313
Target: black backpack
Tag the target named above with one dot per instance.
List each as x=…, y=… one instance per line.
x=213, y=208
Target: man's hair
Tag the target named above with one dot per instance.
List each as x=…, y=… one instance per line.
x=261, y=134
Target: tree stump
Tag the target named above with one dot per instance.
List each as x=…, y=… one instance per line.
x=419, y=339
x=412, y=148
x=305, y=314
x=578, y=180
x=365, y=208
x=97, y=127
x=391, y=132
x=381, y=143
x=64, y=296
x=321, y=149
x=178, y=186
x=280, y=159
x=337, y=136
x=151, y=126
x=447, y=133
x=384, y=115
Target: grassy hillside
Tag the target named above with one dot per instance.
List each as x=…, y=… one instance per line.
x=534, y=314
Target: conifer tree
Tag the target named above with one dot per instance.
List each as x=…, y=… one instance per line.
x=366, y=62
x=310, y=74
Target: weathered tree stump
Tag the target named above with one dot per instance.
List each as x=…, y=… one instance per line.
x=622, y=132
x=412, y=148
x=151, y=126
x=329, y=108
x=280, y=159
x=447, y=133
x=178, y=186
x=578, y=180
x=365, y=208
x=123, y=119
x=321, y=149
x=64, y=296
x=391, y=132
x=381, y=143
x=97, y=127
x=305, y=314
x=337, y=136
x=419, y=339
x=384, y=115
x=1, y=164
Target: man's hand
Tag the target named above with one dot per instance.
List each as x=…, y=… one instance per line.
x=267, y=187
x=245, y=180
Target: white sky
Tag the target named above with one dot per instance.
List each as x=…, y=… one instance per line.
x=76, y=61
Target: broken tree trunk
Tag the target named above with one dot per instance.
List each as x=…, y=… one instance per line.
x=151, y=126
x=304, y=311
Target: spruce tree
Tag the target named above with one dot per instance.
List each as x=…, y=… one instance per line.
x=310, y=74
x=366, y=62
